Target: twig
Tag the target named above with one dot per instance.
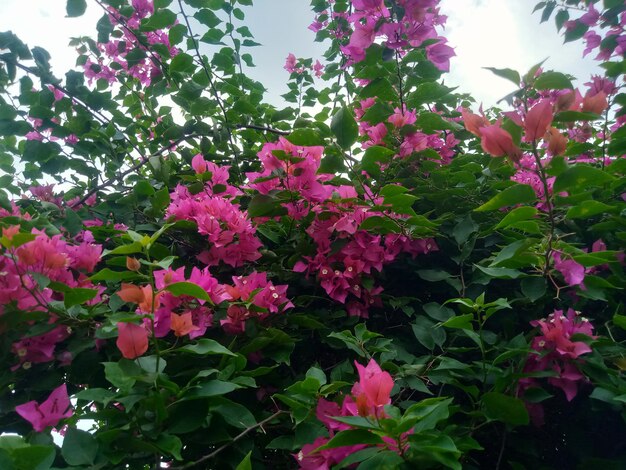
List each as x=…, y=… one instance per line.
x=262, y=128
x=136, y=166
x=228, y=444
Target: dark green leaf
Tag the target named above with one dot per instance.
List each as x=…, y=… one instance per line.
x=76, y=7
x=516, y=194
x=352, y=437
x=345, y=128
x=206, y=346
x=505, y=408
x=581, y=177
x=79, y=447
x=553, y=81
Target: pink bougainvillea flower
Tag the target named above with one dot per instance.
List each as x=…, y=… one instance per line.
x=373, y=388
x=497, y=142
x=538, y=120
x=439, y=54
x=290, y=63
x=573, y=272
x=318, y=68
x=50, y=412
x=132, y=340
x=199, y=164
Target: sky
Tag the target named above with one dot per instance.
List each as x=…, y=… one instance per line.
x=484, y=33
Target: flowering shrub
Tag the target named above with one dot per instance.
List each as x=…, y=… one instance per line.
x=383, y=275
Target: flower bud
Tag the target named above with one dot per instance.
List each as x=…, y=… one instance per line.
x=132, y=264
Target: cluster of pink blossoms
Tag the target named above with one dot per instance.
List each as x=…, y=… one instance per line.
x=338, y=213
x=292, y=168
x=342, y=271
x=292, y=66
x=232, y=238
x=116, y=50
x=251, y=296
x=613, y=44
x=367, y=399
x=56, y=260
x=556, y=351
x=410, y=142
x=371, y=20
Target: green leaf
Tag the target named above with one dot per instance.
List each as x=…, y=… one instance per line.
x=515, y=194
x=431, y=122
x=246, y=463
x=580, y=177
x=306, y=137
x=509, y=74
x=463, y=322
x=212, y=388
x=505, y=408
x=78, y=295
x=620, y=320
x=571, y=116
x=588, y=209
x=206, y=346
x=553, y=81
x=34, y=457
x=383, y=460
x=533, y=287
x=263, y=205
x=121, y=374
x=182, y=63
x=188, y=288
x=500, y=273
x=345, y=128
x=516, y=215
x=379, y=88
x=75, y=8
x=352, y=437
x=134, y=247
x=171, y=445
x=107, y=274
x=79, y=447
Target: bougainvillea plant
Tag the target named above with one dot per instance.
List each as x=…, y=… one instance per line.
x=381, y=274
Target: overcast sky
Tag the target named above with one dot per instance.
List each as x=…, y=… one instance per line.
x=484, y=33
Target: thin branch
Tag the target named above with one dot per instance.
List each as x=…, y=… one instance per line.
x=136, y=166
x=262, y=128
x=228, y=444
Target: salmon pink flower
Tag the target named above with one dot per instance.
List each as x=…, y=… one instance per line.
x=182, y=324
x=132, y=340
x=143, y=296
x=473, y=122
x=595, y=103
x=50, y=412
x=557, y=142
x=497, y=142
x=538, y=120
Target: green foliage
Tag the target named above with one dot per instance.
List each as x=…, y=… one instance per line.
x=365, y=286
